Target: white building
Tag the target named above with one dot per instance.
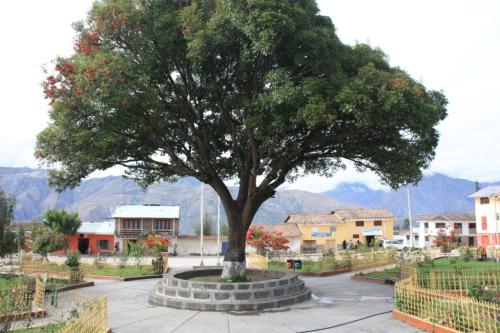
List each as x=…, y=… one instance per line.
x=462, y=224
x=405, y=237
x=487, y=204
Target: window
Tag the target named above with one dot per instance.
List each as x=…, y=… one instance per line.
x=472, y=226
x=163, y=225
x=484, y=223
x=484, y=201
x=377, y=223
x=132, y=224
x=408, y=237
x=355, y=236
x=457, y=226
x=426, y=225
x=360, y=223
x=440, y=225
x=426, y=238
x=103, y=244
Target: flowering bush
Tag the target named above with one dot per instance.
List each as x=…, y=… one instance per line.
x=446, y=242
x=156, y=243
x=264, y=241
x=410, y=256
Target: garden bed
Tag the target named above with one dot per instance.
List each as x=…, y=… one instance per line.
x=107, y=272
x=421, y=324
x=50, y=328
x=326, y=266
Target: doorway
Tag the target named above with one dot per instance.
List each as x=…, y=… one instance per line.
x=369, y=240
x=471, y=241
x=83, y=245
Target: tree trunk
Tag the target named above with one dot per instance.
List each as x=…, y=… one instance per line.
x=234, y=259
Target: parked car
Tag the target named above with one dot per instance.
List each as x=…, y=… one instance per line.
x=393, y=243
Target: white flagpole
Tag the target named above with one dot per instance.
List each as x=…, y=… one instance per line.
x=201, y=224
x=218, y=231
x=412, y=243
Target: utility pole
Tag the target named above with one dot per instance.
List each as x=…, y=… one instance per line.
x=412, y=243
x=218, y=231
x=201, y=224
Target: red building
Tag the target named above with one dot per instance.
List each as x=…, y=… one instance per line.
x=93, y=238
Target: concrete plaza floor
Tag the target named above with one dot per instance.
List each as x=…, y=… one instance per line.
x=336, y=300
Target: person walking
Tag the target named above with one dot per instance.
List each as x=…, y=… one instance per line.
x=349, y=245
x=344, y=244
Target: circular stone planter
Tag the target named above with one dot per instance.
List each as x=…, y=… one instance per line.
x=268, y=289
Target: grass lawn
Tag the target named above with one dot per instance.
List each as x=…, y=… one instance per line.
x=324, y=265
x=14, y=297
x=104, y=269
x=456, y=263
x=121, y=271
x=51, y=328
x=386, y=273
x=10, y=281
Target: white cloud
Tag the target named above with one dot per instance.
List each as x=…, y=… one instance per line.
x=447, y=44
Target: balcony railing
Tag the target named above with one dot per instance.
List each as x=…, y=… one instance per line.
x=130, y=232
x=164, y=232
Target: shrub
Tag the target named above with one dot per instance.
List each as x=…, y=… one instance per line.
x=73, y=259
x=328, y=264
x=480, y=292
x=329, y=253
x=75, y=275
x=466, y=253
x=98, y=261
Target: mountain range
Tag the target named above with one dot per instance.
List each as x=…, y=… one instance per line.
x=96, y=198
x=435, y=193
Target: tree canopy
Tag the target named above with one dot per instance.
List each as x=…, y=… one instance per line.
x=62, y=221
x=231, y=89
x=8, y=241
x=46, y=240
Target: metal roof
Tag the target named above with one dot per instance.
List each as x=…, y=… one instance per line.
x=143, y=211
x=97, y=228
x=447, y=217
x=486, y=192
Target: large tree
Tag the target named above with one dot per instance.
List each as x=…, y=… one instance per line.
x=261, y=91
x=62, y=222
x=8, y=243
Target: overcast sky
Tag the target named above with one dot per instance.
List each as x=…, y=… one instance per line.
x=452, y=46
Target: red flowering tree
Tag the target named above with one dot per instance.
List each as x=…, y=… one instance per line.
x=446, y=242
x=264, y=241
x=151, y=246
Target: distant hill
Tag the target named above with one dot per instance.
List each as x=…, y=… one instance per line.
x=96, y=198
x=434, y=194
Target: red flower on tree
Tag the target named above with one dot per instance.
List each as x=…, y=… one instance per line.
x=264, y=241
x=88, y=43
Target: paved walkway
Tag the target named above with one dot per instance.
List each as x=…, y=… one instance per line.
x=336, y=300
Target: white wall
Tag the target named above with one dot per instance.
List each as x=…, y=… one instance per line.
x=488, y=210
x=187, y=246
x=432, y=231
